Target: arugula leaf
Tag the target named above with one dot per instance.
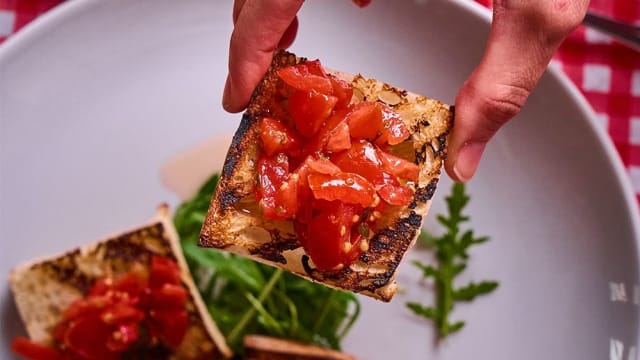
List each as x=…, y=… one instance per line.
x=451, y=250
x=244, y=296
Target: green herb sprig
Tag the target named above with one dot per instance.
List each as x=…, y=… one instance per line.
x=451, y=250
x=246, y=297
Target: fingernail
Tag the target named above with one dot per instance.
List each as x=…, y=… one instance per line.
x=468, y=159
x=226, y=95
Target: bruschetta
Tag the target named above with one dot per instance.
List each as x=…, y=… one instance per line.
x=329, y=176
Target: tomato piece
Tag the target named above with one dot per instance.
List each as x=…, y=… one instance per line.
x=278, y=137
x=326, y=241
x=330, y=241
x=343, y=91
x=84, y=306
x=277, y=189
x=299, y=78
x=34, y=351
x=365, y=120
x=393, y=194
x=122, y=337
x=318, y=142
x=303, y=193
x=362, y=159
x=169, y=296
x=133, y=283
x=339, y=139
x=272, y=173
x=87, y=337
x=315, y=67
x=309, y=110
x=163, y=271
x=101, y=286
x=119, y=313
x=321, y=166
x=346, y=187
x=394, y=130
x=286, y=199
x=399, y=167
x=170, y=326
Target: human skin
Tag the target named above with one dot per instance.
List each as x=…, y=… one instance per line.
x=523, y=38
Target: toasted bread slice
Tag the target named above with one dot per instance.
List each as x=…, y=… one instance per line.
x=258, y=347
x=43, y=289
x=234, y=222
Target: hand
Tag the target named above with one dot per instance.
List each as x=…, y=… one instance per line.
x=524, y=36
x=260, y=27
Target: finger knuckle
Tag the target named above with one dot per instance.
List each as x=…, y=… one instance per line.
x=502, y=104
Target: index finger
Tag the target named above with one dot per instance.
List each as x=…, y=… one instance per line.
x=259, y=27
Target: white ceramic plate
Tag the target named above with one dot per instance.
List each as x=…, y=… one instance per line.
x=96, y=96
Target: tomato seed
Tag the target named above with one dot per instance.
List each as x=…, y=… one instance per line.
x=364, y=245
x=376, y=200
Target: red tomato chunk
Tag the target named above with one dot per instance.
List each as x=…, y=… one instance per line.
x=109, y=320
x=347, y=178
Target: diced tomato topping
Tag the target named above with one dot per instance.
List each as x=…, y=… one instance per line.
x=395, y=194
x=332, y=127
x=329, y=241
x=33, y=350
x=362, y=159
x=348, y=176
x=123, y=337
x=365, y=120
x=315, y=68
x=346, y=187
x=169, y=296
x=87, y=336
x=121, y=313
x=343, y=91
x=272, y=172
x=170, y=326
x=107, y=322
x=399, y=167
x=322, y=166
x=163, y=271
x=309, y=110
x=278, y=137
x=339, y=139
x=299, y=78
x=394, y=131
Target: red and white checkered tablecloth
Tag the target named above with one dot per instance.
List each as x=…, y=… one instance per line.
x=607, y=72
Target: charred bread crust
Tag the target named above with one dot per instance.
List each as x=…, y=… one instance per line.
x=237, y=227
x=44, y=288
x=258, y=347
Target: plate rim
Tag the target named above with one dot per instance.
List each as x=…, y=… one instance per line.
x=70, y=8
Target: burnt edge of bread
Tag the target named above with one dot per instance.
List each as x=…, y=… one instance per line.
x=261, y=347
x=387, y=247
x=114, y=256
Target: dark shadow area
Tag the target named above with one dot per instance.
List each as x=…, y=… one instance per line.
x=11, y=325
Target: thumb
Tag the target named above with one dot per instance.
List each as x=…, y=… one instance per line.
x=260, y=27
x=523, y=37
